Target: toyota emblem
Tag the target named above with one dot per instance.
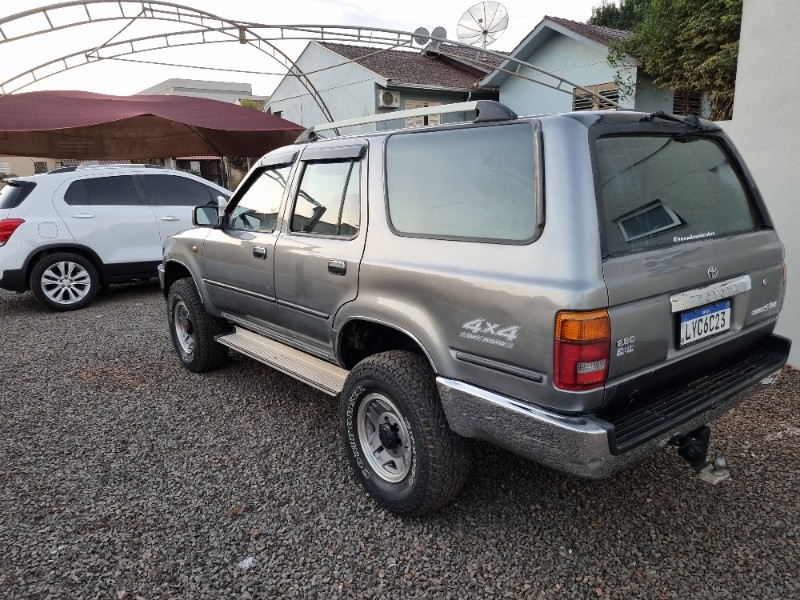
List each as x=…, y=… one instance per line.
x=713, y=272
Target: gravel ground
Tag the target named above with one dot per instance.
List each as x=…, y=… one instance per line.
x=123, y=476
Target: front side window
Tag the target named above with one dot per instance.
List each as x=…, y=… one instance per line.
x=257, y=208
x=658, y=190
x=118, y=190
x=329, y=199
x=477, y=183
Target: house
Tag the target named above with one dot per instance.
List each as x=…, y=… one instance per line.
x=358, y=81
x=578, y=52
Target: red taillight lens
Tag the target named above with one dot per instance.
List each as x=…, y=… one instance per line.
x=7, y=227
x=582, y=349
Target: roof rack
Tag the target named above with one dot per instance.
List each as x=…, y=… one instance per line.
x=488, y=110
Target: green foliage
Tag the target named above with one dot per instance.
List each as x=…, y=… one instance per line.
x=625, y=16
x=254, y=104
x=689, y=45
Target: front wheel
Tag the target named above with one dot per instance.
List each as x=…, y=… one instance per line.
x=193, y=330
x=396, y=436
x=64, y=281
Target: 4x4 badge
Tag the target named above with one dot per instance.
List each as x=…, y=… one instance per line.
x=713, y=272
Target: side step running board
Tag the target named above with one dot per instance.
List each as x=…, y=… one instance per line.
x=304, y=367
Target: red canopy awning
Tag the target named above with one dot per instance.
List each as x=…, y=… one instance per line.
x=83, y=125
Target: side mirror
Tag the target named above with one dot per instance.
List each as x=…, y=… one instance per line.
x=222, y=202
x=205, y=216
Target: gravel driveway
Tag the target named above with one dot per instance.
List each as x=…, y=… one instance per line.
x=124, y=476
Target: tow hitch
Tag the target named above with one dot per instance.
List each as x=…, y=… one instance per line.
x=693, y=448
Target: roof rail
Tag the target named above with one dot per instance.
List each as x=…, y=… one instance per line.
x=88, y=166
x=488, y=110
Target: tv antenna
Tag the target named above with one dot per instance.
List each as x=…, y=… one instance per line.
x=482, y=24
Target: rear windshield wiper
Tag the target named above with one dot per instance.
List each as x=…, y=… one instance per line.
x=691, y=120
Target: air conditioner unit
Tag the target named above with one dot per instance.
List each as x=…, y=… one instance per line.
x=387, y=99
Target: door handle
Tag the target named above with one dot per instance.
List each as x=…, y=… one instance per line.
x=260, y=252
x=83, y=216
x=170, y=218
x=337, y=267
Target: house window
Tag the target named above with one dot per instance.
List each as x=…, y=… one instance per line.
x=422, y=120
x=687, y=103
x=39, y=166
x=583, y=101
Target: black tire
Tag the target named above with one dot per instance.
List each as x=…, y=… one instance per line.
x=193, y=330
x=401, y=384
x=64, y=281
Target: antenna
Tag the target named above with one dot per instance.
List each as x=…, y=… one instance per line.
x=482, y=24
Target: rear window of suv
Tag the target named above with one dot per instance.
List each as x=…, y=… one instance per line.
x=658, y=190
x=14, y=192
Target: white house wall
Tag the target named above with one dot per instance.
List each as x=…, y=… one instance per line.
x=764, y=129
x=348, y=89
x=565, y=57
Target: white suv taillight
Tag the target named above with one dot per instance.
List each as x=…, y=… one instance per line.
x=7, y=228
x=582, y=349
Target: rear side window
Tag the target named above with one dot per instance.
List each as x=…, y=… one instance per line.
x=174, y=190
x=329, y=199
x=660, y=190
x=103, y=191
x=472, y=184
x=14, y=193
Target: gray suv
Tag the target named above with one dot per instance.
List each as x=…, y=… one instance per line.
x=581, y=289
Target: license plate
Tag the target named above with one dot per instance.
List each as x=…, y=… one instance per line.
x=704, y=322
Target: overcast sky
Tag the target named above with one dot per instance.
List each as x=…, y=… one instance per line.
x=121, y=78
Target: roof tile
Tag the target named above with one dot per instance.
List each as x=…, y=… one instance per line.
x=405, y=67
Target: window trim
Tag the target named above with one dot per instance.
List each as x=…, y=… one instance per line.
x=539, y=174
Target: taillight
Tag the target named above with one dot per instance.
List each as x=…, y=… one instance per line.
x=7, y=227
x=583, y=349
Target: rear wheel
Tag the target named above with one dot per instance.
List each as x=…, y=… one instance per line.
x=396, y=436
x=64, y=281
x=193, y=330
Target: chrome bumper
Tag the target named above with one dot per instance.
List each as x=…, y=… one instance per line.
x=161, y=275
x=576, y=445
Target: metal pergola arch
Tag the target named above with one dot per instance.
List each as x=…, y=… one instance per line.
x=260, y=36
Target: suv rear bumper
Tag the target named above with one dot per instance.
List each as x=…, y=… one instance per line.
x=587, y=446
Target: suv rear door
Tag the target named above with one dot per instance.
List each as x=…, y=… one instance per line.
x=318, y=255
x=692, y=265
x=109, y=215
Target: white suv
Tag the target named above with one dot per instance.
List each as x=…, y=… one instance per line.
x=65, y=233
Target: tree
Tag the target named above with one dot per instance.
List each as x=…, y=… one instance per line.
x=691, y=45
x=625, y=16
x=683, y=44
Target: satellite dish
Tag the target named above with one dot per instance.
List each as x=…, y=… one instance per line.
x=439, y=32
x=482, y=24
x=421, y=36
